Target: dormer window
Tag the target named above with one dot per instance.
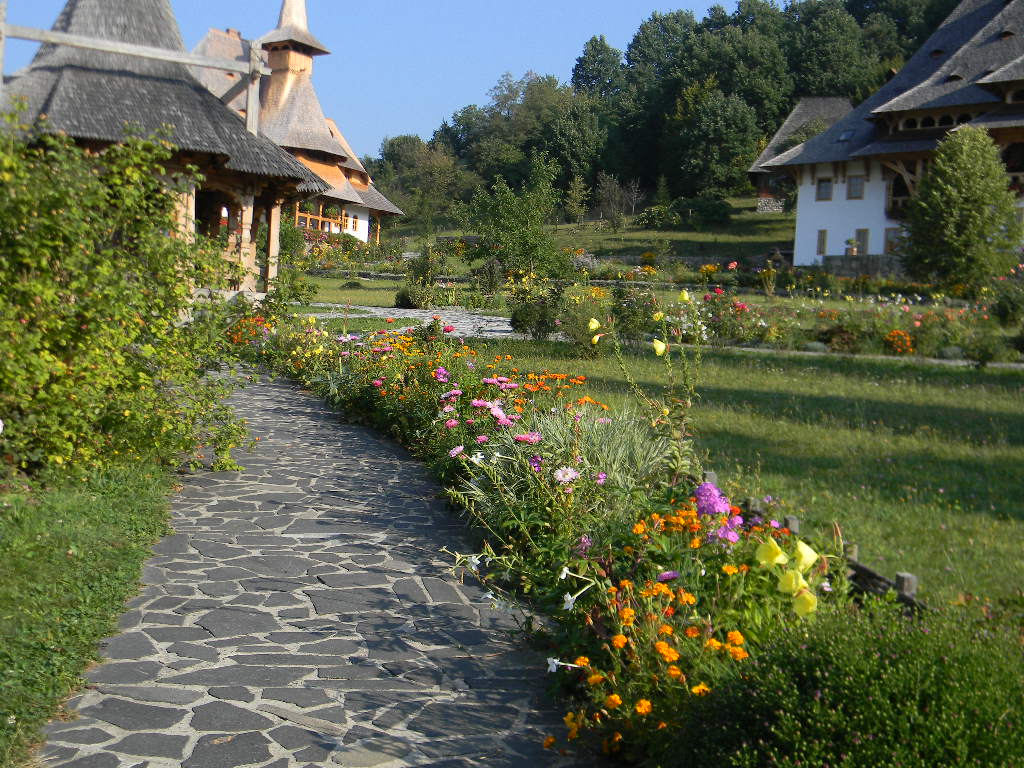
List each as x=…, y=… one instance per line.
x=1017, y=95
x=1006, y=34
x=945, y=120
x=961, y=119
x=845, y=136
x=954, y=77
x=910, y=124
x=927, y=122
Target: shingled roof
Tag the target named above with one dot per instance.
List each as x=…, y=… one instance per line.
x=96, y=95
x=293, y=27
x=813, y=109
x=920, y=84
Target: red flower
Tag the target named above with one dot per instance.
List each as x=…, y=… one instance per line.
x=719, y=291
x=448, y=328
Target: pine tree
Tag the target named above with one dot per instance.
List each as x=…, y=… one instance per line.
x=962, y=227
x=576, y=197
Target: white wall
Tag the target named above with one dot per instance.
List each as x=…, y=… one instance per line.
x=362, y=231
x=841, y=217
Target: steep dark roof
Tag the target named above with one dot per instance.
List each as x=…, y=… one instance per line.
x=955, y=82
x=917, y=141
x=960, y=27
x=291, y=115
x=95, y=95
x=375, y=201
x=825, y=110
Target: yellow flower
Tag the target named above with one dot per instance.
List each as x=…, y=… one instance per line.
x=730, y=570
x=735, y=638
x=684, y=297
x=713, y=644
x=619, y=641
x=791, y=582
x=805, y=557
x=769, y=553
x=643, y=707
x=695, y=543
x=805, y=604
x=595, y=679
x=737, y=653
x=628, y=616
x=613, y=700
x=659, y=347
x=596, y=338
x=639, y=528
x=665, y=629
x=594, y=324
x=700, y=690
x=674, y=672
x=582, y=661
x=658, y=317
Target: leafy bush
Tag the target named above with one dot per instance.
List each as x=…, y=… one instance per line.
x=1008, y=306
x=658, y=217
x=535, y=305
x=98, y=366
x=703, y=211
x=865, y=687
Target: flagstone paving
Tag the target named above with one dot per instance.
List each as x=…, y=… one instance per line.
x=301, y=614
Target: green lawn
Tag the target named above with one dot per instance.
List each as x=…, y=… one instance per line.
x=70, y=556
x=373, y=293
x=919, y=464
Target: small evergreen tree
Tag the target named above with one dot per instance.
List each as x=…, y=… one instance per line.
x=576, y=198
x=962, y=226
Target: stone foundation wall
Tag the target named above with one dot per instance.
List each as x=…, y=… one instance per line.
x=887, y=265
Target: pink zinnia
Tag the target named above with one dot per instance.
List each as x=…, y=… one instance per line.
x=448, y=328
x=456, y=450
x=482, y=439
x=378, y=382
x=530, y=437
x=452, y=423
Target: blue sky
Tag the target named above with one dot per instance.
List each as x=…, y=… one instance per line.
x=404, y=65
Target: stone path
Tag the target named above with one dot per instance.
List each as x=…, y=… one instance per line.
x=466, y=322
x=302, y=615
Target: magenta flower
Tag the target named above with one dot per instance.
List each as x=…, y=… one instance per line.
x=530, y=437
x=668, y=575
x=378, y=382
x=710, y=500
x=482, y=439
x=452, y=423
x=601, y=478
x=448, y=328
x=566, y=475
x=456, y=450
x=535, y=463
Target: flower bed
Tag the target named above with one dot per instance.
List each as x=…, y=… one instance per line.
x=657, y=587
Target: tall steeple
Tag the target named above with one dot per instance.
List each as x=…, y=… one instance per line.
x=293, y=28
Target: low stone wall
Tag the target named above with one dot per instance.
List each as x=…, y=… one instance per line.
x=887, y=265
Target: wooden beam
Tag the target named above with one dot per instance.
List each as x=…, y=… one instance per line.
x=3, y=41
x=128, y=49
x=252, y=96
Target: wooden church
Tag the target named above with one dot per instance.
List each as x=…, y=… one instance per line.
x=94, y=96
x=291, y=115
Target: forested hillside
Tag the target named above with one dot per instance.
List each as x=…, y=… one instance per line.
x=681, y=112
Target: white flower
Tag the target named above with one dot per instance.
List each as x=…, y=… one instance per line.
x=553, y=664
x=564, y=573
x=477, y=458
x=474, y=562
x=570, y=601
x=1, y=426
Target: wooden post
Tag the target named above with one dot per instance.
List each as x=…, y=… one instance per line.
x=3, y=41
x=378, y=218
x=793, y=523
x=906, y=584
x=273, y=242
x=247, y=250
x=252, y=96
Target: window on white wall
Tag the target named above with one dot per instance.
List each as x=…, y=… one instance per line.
x=892, y=239
x=824, y=190
x=355, y=222
x=861, y=236
x=822, y=241
x=854, y=187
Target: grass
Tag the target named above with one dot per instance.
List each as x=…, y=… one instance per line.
x=70, y=556
x=373, y=293
x=919, y=464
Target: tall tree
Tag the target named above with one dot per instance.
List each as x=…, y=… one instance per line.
x=962, y=226
x=826, y=49
x=576, y=198
x=598, y=71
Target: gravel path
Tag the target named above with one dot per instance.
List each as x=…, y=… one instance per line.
x=466, y=322
x=302, y=615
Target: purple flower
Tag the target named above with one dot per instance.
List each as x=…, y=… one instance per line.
x=583, y=547
x=482, y=439
x=668, y=575
x=710, y=500
x=456, y=450
x=601, y=477
x=535, y=463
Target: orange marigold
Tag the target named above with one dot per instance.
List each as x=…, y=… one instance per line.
x=613, y=700
x=737, y=653
x=619, y=641
x=549, y=742
x=700, y=690
x=713, y=644
x=582, y=661
x=692, y=632
x=643, y=707
x=665, y=629
x=674, y=672
x=735, y=638
x=730, y=570
x=627, y=615
x=595, y=679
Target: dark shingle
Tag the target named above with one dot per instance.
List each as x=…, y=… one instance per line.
x=813, y=109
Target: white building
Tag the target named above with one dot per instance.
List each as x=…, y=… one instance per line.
x=854, y=179
x=291, y=115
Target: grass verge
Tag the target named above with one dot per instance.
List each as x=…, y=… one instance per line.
x=373, y=293
x=919, y=464
x=70, y=556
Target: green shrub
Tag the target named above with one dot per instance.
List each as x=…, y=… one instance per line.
x=658, y=217
x=97, y=365
x=703, y=211
x=1008, y=306
x=866, y=687
x=415, y=296
x=632, y=309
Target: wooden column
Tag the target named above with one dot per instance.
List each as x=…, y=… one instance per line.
x=378, y=217
x=185, y=214
x=247, y=248
x=273, y=243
